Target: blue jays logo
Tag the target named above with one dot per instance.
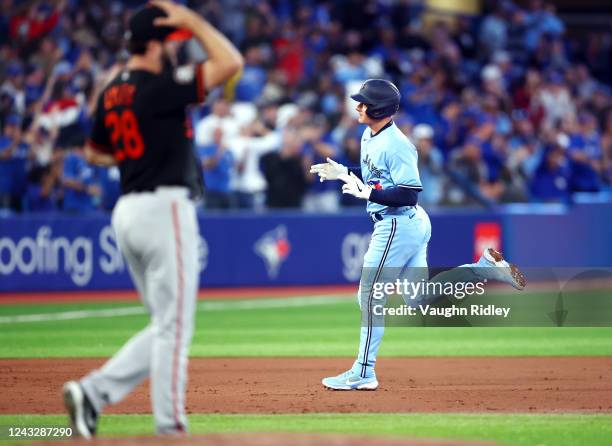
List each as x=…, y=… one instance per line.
x=375, y=171
x=375, y=184
x=273, y=247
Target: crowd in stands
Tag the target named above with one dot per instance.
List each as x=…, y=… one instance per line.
x=503, y=107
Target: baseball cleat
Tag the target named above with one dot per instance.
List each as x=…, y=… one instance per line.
x=350, y=381
x=496, y=268
x=83, y=416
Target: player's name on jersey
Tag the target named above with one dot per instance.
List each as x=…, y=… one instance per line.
x=446, y=312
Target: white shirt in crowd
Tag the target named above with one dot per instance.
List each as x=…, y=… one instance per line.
x=248, y=152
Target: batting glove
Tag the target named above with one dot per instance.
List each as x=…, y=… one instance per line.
x=355, y=187
x=330, y=170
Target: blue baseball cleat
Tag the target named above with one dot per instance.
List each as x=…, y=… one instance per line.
x=350, y=381
x=493, y=266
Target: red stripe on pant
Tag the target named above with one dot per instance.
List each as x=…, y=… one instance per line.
x=179, y=316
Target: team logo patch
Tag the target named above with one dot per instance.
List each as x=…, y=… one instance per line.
x=184, y=74
x=375, y=184
x=273, y=247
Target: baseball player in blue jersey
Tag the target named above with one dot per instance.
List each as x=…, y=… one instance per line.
x=388, y=179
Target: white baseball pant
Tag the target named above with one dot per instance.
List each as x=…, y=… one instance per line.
x=158, y=234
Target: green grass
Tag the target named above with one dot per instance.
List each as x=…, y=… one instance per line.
x=317, y=327
x=327, y=328
x=509, y=429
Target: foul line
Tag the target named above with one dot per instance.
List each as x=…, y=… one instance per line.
x=290, y=302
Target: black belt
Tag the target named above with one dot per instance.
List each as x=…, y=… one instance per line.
x=376, y=216
x=379, y=216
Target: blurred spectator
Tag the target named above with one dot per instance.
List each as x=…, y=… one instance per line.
x=583, y=83
x=464, y=36
x=285, y=173
x=350, y=67
x=551, y=180
x=585, y=155
x=448, y=128
x=542, y=21
x=495, y=90
x=494, y=28
x=11, y=169
x=64, y=112
x=517, y=40
x=257, y=139
x=555, y=100
x=431, y=165
x=44, y=169
x=13, y=87
x=525, y=93
x=509, y=71
x=316, y=148
x=221, y=117
x=217, y=164
x=524, y=147
x=412, y=36
x=33, y=22
x=289, y=52
x=469, y=173
x=108, y=178
x=506, y=185
x=254, y=76
x=493, y=85
x=606, y=142
x=81, y=189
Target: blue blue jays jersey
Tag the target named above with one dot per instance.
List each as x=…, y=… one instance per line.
x=388, y=159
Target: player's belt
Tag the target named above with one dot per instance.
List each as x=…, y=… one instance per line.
x=380, y=216
x=376, y=216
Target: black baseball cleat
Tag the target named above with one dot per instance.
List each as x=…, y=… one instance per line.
x=83, y=416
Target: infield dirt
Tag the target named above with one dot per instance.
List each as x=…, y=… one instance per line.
x=293, y=385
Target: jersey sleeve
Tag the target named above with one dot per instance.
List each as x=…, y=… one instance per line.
x=395, y=196
x=403, y=166
x=179, y=87
x=99, y=138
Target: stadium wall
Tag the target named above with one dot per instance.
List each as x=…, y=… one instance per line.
x=70, y=252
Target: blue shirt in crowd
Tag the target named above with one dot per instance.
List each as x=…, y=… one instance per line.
x=551, y=183
x=109, y=182
x=76, y=168
x=584, y=177
x=6, y=182
x=218, y=178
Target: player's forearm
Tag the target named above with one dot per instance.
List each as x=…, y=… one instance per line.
x=395, y=196
x=224, y=60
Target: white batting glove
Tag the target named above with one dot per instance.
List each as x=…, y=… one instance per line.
x=355, y=187
x=330, y=170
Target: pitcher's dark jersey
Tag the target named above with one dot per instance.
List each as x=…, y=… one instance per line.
x=141, y=119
